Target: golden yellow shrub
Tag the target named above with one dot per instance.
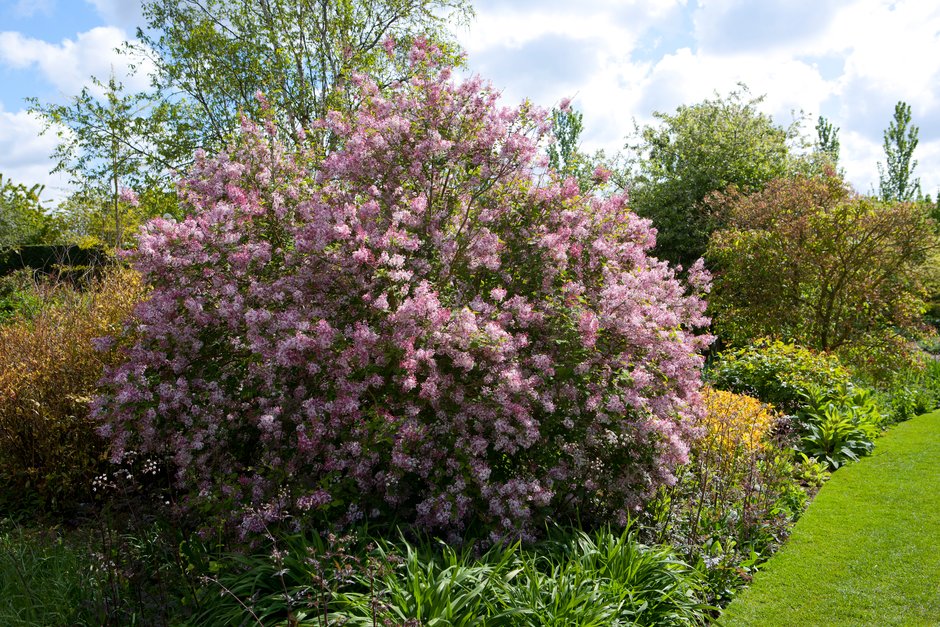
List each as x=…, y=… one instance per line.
x=48, y=373
x=735, y=422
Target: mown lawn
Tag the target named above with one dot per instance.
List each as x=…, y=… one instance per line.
x=867, y=551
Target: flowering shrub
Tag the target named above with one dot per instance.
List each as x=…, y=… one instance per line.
x=48, y=371
x=734, y=421
x=425, y=323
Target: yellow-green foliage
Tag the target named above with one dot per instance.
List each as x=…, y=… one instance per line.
x=737, y=493
x=778, y=373
x=48, y=373
x=735, y=423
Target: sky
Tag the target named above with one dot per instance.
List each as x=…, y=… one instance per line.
x=620, y=61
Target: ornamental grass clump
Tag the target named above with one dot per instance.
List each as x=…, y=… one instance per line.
x=407, y=316
x=49, y=368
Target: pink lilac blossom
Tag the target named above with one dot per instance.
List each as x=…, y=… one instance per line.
x=129, y=196
x=417, y=324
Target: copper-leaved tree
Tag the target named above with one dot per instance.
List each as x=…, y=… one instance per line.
x=807, y=260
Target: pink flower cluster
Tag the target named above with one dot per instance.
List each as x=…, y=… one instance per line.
x=423, y=323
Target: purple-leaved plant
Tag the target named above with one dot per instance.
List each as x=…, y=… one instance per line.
x=425, y=323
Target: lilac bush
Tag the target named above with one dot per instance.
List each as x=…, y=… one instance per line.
x=408, y=316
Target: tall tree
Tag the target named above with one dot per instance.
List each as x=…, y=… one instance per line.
x=699, y=149
x=301, y=54
x=827, y=140
x=110, y=139
x=567, y=126
x=565, y=155
x=896, y=178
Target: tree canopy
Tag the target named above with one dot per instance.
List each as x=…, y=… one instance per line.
x=807, y=260
x=699, y=149
x=110, y=140
x=301, y=54
x=827, y=141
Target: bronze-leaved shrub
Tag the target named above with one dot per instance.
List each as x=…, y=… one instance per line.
x=49, y=369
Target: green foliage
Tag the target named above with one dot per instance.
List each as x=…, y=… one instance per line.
x=839, y=427
x=111, y=142
x=912, y=392
x=836, y=421
x=62, y=261
x=17, y=296
x=932, y=282
x=605, y=578
x=565, y=156
x=904, y=377
x=301, y=54
x=879, y=359
x=23, y=220
x=827, y=141
x=810, y=473
x=779, y=373
x=45, y=581
x=57, y=577
x=435, y=584
x=835, y=439
x=896, y=182
x=574, y=578
x=929, y=378
x=87, y=216
x=806, y=261
x=567, y=126
x=697, y=150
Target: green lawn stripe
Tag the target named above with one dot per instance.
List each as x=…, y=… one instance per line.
x=867, y=551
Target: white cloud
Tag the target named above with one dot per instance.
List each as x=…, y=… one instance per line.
x=849, y=60
x=893, y=56
x=69, y=64
x=24, y=153
x=761, y=26
x=928, y=161
x=554, y=49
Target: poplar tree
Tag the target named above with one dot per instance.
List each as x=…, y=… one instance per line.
x=827, y=140
x=896, y=178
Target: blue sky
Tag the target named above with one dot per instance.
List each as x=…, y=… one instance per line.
x=621, y=60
